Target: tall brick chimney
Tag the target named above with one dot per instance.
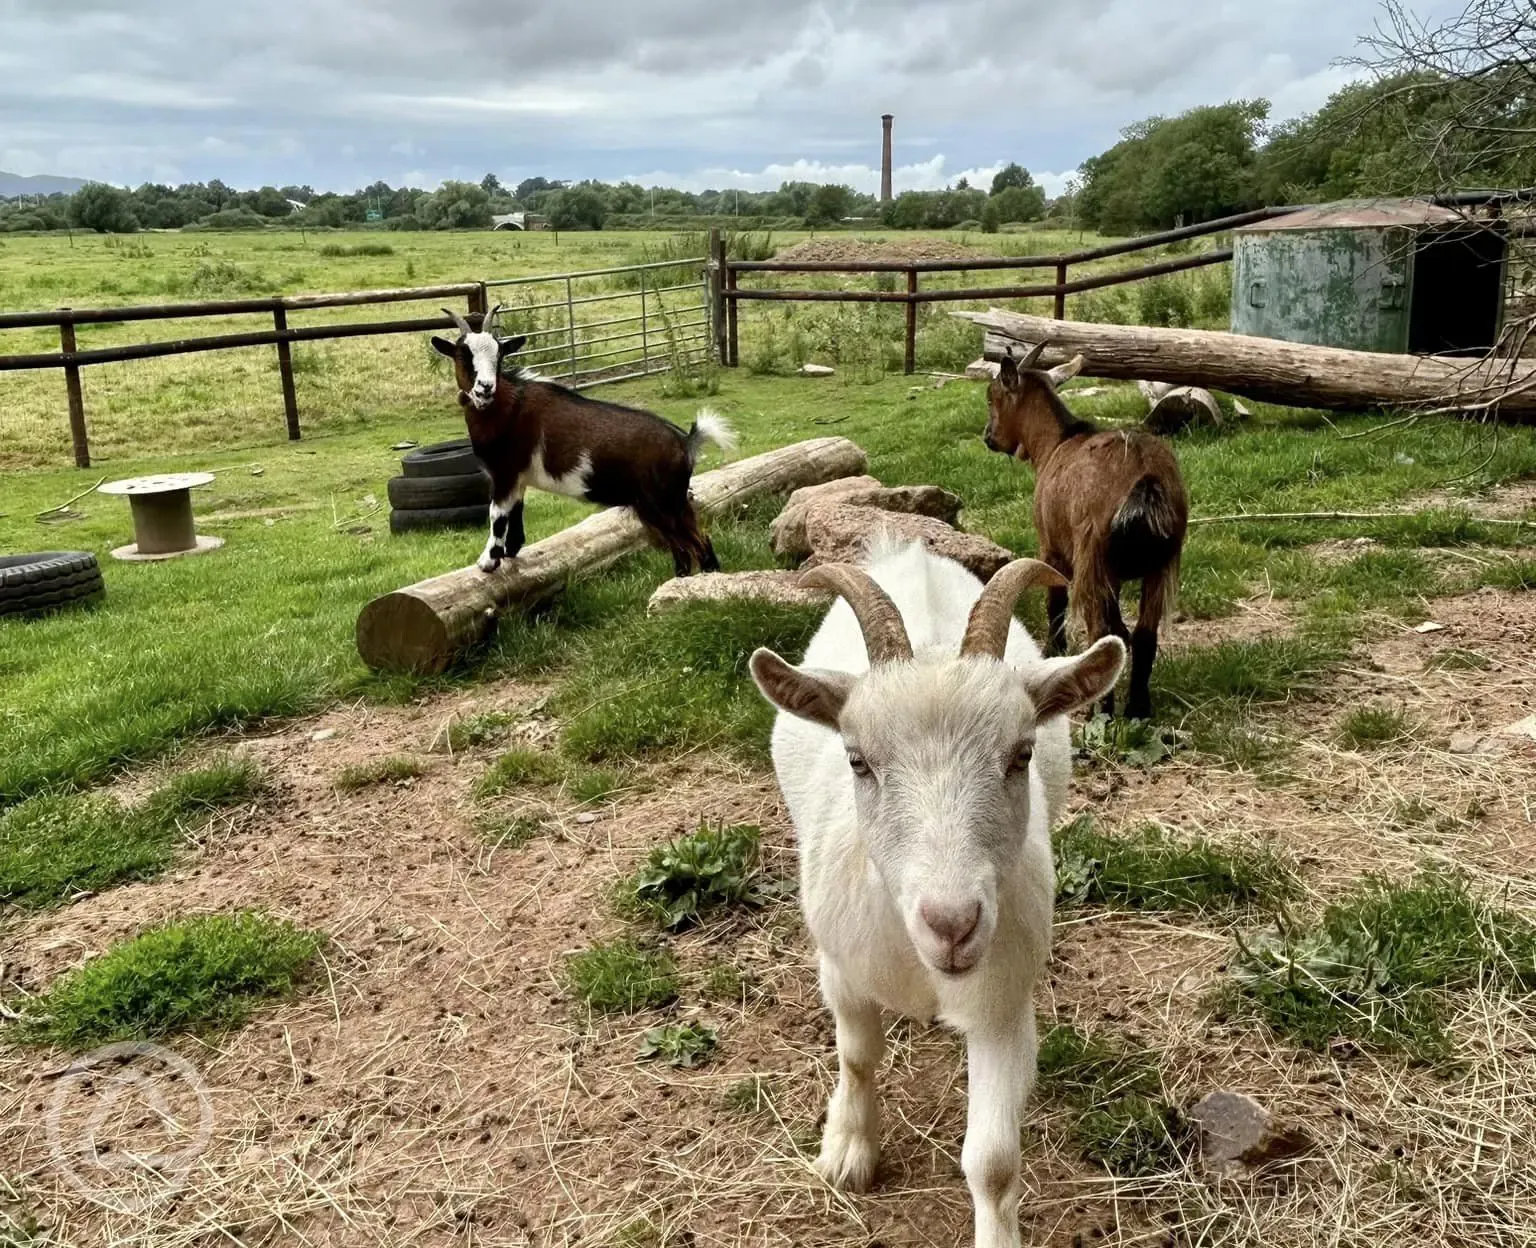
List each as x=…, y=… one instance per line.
x=885, y=159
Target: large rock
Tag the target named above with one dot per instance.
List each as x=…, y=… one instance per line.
x=788, y=530
x=1236, y=1128
x=841, y=532
x=780, y=587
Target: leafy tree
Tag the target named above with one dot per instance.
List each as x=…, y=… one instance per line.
x=991, y=217
x=580, y=207
x=1010, y=176
x=1019, y=203
x=103, y=208
x=828, y=205
x=491, y=185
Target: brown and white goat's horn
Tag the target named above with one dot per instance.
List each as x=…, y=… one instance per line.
x=458, y=320
x=1033, y=355
x=986, y=632
x=489, y=319
x=885, y=636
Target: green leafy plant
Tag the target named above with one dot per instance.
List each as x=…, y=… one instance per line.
x=679, y=1044
x=1136, y=742
x=684, y=879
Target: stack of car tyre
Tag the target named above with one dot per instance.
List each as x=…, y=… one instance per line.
x=38, y=584
x=441, y=486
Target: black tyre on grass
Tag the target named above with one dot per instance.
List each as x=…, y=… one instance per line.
x=419, y=518
x=460, y=490
x=441, y=459
x=37, y=584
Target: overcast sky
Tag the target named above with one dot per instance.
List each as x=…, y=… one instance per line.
x=690, y=93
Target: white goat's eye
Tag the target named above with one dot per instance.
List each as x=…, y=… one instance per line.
x=857, y=763
x=1019, y=763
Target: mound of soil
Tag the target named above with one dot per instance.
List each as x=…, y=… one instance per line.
x=857, y=250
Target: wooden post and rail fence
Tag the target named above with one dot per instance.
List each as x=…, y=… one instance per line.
x=727, y=291
x=648, y=342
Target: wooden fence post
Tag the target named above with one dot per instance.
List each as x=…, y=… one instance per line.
x=76, y=398
x=285, y=368
x=1061, y=295
x=479, y=304
x=910, y=364
x=730, y=318
x=717, y=294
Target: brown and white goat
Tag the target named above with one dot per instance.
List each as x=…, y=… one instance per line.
x=532, y=432
x=1110, y=507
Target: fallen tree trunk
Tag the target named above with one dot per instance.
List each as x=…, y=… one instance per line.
x=1273, y=371
x=424, y=627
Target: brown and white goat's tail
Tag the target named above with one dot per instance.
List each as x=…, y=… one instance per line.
x=709, y=426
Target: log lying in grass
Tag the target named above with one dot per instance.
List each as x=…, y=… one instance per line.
x=1273, y=371
x=424, y=627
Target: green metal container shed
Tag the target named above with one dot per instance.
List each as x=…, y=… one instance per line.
x=1400, y=276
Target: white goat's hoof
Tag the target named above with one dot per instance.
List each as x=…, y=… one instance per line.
x=847, y=1161
x=488, y=565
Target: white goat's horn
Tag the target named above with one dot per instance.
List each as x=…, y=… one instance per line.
x=489, y=319
x=885, y=636
x=986, y=632
x=1033, y=355
x=458, y=320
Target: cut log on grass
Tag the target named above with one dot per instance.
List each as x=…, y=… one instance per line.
x=425, y=627
x=1273, y=371
x=783, y=588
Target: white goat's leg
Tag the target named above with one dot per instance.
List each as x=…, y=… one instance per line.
x=1001, y=1072
x=850, y=1144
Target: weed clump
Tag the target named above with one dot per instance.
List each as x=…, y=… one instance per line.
x=621, y=977
x=1379, y=965
x=395, y=769
x=1149, y=869
x=56, y=845
x=201, y=974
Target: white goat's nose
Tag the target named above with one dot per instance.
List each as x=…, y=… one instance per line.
x=951, y=922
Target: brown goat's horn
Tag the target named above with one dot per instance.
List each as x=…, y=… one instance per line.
x=489, y=319
x=1032, y=357
x=458, y=320
x=986, y=632
x=885, y=636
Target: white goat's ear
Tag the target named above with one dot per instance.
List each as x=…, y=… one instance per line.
x=816, y=696
x=1064, y=373
x=443, y=347
x=1063, y=685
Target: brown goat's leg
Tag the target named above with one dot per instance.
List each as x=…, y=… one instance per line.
x=670, y=532
x=1113, y=625
x=1144, y=646
x=1056, y=611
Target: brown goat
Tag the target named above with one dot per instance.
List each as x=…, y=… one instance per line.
x=1110, y=507
x=532, y=432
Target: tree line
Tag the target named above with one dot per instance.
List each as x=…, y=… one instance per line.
x=1013, y=197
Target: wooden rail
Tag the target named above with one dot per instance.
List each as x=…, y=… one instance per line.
x=682, y=331
x=728, y=292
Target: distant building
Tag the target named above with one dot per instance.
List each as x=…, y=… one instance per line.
x=519, y=221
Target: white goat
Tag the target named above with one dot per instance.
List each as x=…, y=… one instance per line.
x=923, y=788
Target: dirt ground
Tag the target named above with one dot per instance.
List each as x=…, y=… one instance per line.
x=438, y=1087
x=857, y=250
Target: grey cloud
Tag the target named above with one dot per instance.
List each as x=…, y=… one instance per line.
x=593, y=87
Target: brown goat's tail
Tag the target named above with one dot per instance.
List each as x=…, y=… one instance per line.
x=1147, y=531
x=709, y=426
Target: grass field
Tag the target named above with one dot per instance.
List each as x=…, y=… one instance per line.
x=511, y=955
x=232, y=399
